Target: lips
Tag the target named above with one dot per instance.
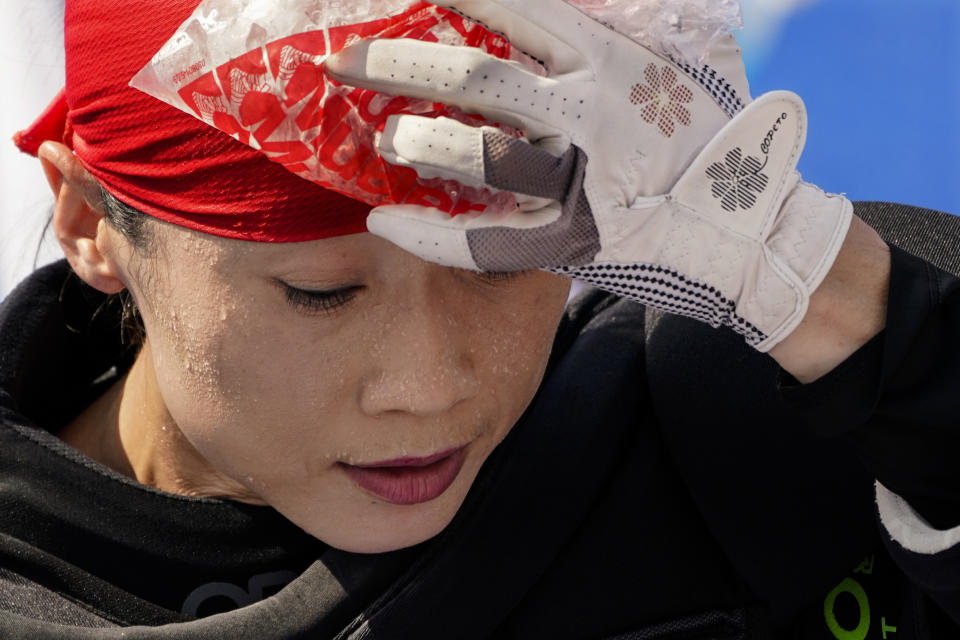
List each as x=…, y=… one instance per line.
x=409, y=481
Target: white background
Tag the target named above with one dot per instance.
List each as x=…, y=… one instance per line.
x=31, y=65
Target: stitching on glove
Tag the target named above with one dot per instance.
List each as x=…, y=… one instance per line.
x=716, y=85
x=778, y=266
x=779, y=197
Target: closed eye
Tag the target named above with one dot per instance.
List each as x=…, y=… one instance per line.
x=499, y=276
x=319, y=302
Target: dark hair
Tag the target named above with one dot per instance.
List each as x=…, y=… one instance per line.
x=132, y=223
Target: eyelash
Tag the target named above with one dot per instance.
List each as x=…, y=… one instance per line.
x=499, y=276
x=319, y=301
x=329, y=301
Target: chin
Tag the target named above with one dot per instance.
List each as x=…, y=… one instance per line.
x=373, y=526
x=387, y=537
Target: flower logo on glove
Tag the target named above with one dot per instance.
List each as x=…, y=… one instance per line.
x=662, y=99
x=737, y=181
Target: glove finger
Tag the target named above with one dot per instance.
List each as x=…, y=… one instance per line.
x=569, y=233
x=465, y=77
x=482, y=157
x=560, y=233
x=563, y=232
x=512, y=164
x=436, y=148
x=434, y=236
x=742, y=176
x=551, y=31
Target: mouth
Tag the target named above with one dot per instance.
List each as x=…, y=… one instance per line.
x=409, y=481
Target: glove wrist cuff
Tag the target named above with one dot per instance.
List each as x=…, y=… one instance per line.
x=804, y=243
x=809, y=232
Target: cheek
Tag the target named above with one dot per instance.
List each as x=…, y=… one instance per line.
x=186, y=338
x=256, y=392
x=519, y=334
x=224, y=369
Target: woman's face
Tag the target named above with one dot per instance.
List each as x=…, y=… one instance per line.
x=352, y=386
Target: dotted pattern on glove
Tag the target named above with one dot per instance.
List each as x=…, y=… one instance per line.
x=716, y=85
x=662, y=288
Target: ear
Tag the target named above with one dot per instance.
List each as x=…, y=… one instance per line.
x=88, y=241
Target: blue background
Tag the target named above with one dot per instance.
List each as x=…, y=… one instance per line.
x=881, y=80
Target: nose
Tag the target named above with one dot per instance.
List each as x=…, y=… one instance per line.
x=421, y=363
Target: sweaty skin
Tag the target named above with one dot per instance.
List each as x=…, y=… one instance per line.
x=241, y=393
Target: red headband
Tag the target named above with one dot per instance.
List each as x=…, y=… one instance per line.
x=162, y=161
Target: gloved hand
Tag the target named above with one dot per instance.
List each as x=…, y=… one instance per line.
x=640, y=175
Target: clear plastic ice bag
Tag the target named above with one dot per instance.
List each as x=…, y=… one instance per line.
x=682, y=29
x=254, y=69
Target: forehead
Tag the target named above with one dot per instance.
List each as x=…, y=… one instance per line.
x=187, y=249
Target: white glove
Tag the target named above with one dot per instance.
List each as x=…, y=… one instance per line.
x=640, y=175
